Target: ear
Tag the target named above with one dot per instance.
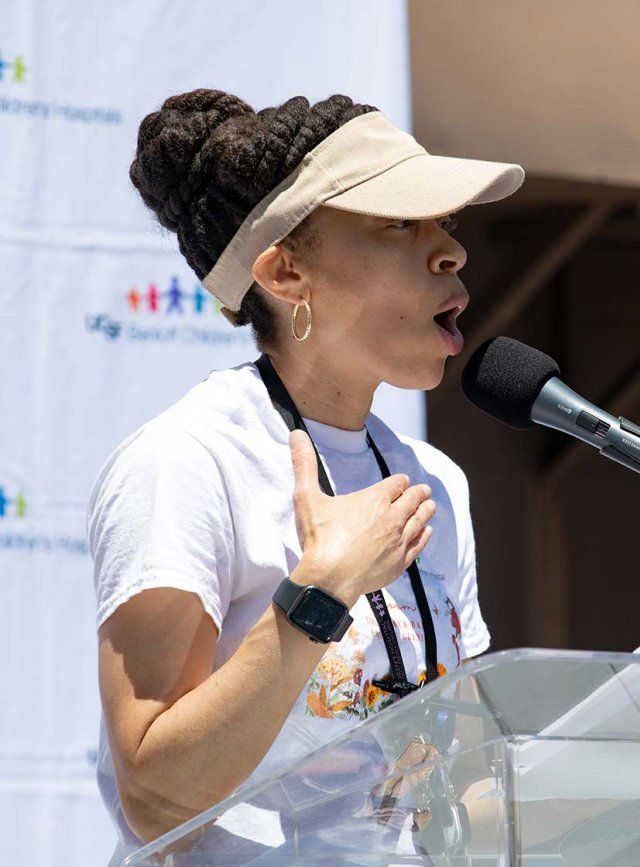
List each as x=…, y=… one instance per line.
x=274, y=270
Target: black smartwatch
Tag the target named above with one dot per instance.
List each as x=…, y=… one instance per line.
x=322, y=617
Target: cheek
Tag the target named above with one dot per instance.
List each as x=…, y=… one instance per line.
x=375, y=285
x=393, y=324
x=369, y=268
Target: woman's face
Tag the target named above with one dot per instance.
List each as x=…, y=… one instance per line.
x=374, y=285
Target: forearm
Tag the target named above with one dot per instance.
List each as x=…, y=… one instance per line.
x=207, y=743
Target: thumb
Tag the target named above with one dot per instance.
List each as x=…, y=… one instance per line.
x=305, y=462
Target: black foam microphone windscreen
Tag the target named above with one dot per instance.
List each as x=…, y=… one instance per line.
x=503, y=377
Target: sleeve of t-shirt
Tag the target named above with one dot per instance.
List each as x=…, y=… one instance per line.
x=475, y=634
x=159, y=516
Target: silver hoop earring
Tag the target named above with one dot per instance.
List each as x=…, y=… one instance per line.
x=293, y=321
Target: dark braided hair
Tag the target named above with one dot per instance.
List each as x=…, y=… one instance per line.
x=206, y=158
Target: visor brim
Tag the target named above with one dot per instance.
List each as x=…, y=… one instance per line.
x=426, y=186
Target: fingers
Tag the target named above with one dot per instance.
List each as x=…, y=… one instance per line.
x=425, y=511
x=417, y=545
x=411, y=500
x=416, y=523
x=394, y=486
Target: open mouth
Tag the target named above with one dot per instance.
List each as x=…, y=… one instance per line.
x=446, y=319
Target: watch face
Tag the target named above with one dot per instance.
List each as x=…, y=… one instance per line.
x=318, y=613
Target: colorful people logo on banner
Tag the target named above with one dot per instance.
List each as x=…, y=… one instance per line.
x=19, y=507
x=176, y=298
x=18, y=65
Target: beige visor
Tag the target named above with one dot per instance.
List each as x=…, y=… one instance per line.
x=368, y=166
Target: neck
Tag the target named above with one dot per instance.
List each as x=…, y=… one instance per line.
x=323, y=391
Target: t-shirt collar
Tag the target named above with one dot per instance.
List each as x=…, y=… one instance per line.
x=338, y=439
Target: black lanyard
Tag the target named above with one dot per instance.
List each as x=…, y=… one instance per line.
x=398, y=682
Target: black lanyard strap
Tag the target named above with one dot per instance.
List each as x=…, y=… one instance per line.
x=431, y=653
x=397, y=682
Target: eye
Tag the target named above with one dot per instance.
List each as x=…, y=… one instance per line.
x=449, y=224
x=399, y=224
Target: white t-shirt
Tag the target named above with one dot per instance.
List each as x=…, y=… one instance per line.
x=200, y=498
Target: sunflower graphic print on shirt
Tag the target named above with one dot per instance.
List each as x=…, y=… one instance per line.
x=341, y=685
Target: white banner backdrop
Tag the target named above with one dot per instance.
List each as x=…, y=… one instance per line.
x=104, y=325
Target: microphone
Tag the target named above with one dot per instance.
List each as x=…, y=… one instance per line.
x=520, y=386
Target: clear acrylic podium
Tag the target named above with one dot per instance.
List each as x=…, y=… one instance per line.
x=522, y=757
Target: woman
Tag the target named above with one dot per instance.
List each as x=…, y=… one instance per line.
x=200, y=516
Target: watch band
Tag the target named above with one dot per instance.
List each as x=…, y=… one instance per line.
x=287, y=592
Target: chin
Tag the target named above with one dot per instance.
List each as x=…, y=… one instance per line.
x=437, y=373
x=432, y=385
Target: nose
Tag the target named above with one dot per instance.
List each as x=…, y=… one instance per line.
x=450, y=257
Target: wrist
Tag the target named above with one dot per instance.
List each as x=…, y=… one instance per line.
x=311, y=570
x=320, y=615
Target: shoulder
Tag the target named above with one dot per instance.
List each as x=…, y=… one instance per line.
x=158, y=461
x=194, y=425
x=159, y=439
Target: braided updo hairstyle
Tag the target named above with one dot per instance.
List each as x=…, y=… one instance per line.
x=206, y=158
